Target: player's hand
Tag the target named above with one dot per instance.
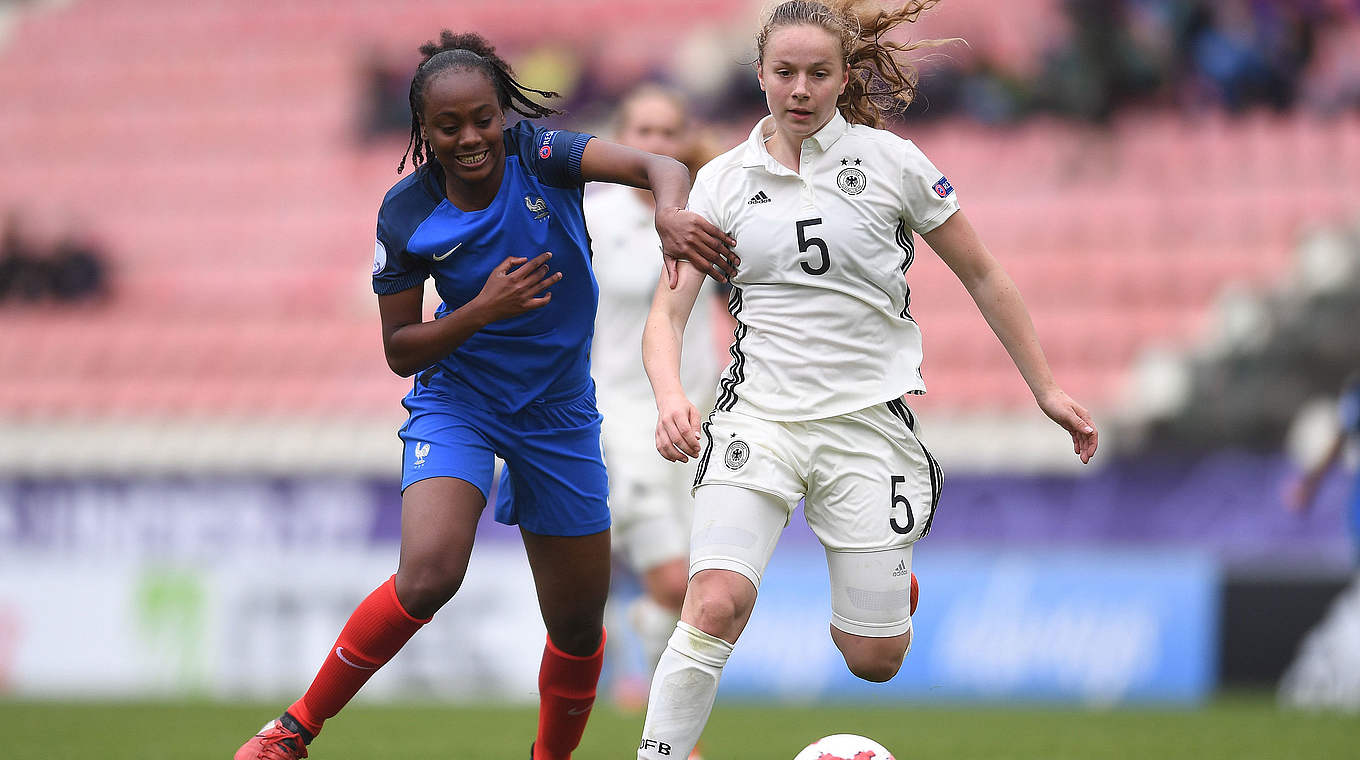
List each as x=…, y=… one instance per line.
x=677, y=429
x=515, y=286
x=1074, y=419
x=686, y=236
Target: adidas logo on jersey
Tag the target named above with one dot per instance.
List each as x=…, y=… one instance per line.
x=759, y=197
x=901, y=569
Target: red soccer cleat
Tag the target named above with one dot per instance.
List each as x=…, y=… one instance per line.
x=915, y=593
x=273, y=742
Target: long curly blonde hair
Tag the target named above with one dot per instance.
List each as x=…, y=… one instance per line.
x=880, y=83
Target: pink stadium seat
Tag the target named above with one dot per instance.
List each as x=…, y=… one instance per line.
x=211, y=146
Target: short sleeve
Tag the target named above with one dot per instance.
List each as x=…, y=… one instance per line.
x=701, y=199
x=394, y=269
x=552, y=155
x=928, y=198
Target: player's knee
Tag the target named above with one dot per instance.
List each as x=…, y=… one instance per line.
x=714, y=606
x=425, y=587
x=878, y=667
x=576, y=632
x=875, y=660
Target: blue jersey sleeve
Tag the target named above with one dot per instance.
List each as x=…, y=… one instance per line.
x=405, y=207
x=552, y=155
x=394, y=269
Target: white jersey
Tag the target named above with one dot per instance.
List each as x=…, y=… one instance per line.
x=821, y=296
x=627, y=264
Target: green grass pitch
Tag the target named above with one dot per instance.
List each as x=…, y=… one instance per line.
x=1242, y=727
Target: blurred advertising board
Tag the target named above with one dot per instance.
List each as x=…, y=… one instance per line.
x=1097, y=627
x=235, y=588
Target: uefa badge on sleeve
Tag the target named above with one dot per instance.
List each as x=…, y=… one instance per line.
x=943, y=188
x=379, y=257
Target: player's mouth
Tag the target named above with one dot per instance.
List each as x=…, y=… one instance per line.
x=472, y=160
x=800, y=114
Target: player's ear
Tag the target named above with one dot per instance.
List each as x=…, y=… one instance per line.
x=760, y=76
x=845, y=79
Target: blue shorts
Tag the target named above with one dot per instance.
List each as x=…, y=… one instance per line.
x=554, y=481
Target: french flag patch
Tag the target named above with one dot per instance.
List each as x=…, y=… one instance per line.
x=943, y=188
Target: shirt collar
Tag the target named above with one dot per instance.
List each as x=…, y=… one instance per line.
x=758, y=155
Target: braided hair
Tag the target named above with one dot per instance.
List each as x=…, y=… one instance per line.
x=456, y=52
x=880, y=85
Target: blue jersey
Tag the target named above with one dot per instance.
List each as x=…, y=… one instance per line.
x=543, y=354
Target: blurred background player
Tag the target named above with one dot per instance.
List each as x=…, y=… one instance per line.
x=1325, y=672
x=823, y=203
x=649, y=498
x=1345, y=440
x=503, y=370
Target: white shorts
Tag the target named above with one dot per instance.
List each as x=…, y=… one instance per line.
x=870, y=489
x=867, y=480
x=649, y=497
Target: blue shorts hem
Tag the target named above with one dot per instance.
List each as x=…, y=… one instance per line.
x=564, y=531
x=405, y=484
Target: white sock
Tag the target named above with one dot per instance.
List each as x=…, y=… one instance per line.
x=683, y=690
x=654, y=625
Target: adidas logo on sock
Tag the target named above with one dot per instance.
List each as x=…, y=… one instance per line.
x=901, y=569
x=759, y=197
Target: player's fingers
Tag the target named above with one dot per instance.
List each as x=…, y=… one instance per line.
x=510, y=262
x=722, y=238
x=537, y=302
x=719, y=257
x=659, y=440
x=685, y=437
x=692, y=431
x=674, y=439
x=533, y=265
x=672, y=272
x=546, y=282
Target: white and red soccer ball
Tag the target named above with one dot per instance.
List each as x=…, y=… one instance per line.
x=844, y=747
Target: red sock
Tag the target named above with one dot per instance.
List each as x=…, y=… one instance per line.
x=375, y=632
x=566, y=688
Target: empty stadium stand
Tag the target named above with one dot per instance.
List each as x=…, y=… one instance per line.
x=212, y=146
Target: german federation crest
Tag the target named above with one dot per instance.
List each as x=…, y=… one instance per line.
x=737, y=455
x=850, y=180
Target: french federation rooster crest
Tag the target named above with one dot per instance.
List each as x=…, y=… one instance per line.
x=537, y=206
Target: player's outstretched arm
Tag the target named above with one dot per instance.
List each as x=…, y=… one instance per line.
x=685, y=236
x=677, y=424
x=515, y=286
x=958, y=245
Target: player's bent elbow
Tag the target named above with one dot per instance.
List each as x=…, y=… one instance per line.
x=401, y=368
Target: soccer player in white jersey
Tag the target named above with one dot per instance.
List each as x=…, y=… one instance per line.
x=649, y=498
x=823, y=205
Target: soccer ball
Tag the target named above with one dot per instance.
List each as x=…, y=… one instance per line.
x=844, y=747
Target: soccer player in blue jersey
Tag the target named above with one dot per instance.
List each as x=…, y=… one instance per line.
x=493, y=215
